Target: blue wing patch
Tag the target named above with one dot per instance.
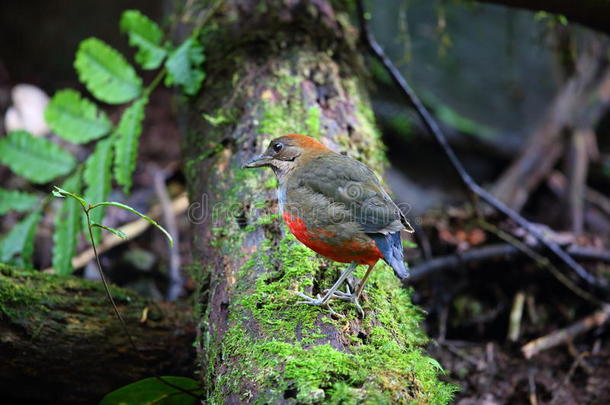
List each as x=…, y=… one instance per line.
x=390, y=247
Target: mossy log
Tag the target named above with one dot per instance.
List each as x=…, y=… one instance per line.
x=60, y=341
x=275, y=68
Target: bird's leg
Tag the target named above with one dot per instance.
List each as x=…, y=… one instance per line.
x=323, y=302
x=354, y=297
x=361, y=285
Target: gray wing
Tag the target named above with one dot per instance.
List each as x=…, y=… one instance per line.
x=346, y=181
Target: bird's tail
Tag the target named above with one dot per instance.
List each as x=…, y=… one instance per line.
x=390, y=247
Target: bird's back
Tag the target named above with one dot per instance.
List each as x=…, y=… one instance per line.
x=336, y=205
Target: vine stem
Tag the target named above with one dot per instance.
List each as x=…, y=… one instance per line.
x=116, y=309
x=155, y=82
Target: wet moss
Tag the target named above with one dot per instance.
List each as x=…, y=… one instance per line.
x=24, y=293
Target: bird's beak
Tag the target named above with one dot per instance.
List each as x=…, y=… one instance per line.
x=258, y=161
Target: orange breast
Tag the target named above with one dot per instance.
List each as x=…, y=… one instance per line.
x=363, y=252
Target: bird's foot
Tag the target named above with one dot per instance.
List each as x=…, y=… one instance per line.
x=319, y=302
x=351, y=297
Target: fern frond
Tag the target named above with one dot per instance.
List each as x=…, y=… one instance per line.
x=37, y=159
x=14, y=200
x=126, y=144
x=184, y=66
x=106, y=73
x=75, y=118
x=146, y=35
x=68, y=221
x=97, y=178
x=17, y=247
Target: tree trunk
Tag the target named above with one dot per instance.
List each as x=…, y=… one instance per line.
x=60, y=341
x=274, y=68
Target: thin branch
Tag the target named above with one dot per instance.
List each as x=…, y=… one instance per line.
x=176, y=282
x=567, y=334
x=501, y=251
x=105, y=283
x=433, y=127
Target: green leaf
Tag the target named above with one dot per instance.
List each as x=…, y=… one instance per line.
x=75, y=118
x=97, y=177
x=127, y=135
x=17, y=246
x=136, y=212
x=67, y=226
x=184, y=66
x=61, y=193
x=115, y=231
x=106, y=73
x=146, y=35
x=15, y=200
x=151, y=391
x=37, y=159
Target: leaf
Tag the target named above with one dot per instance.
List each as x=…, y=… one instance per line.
x=37, y=159
x=106, y=73
x=151, y=391
x=68, y=221
x=97, y=177
x=136, y=212
x=75, y=118
x=146, y=35
x=184, y=66
x=61, y=193
x=15, y=200
x=115, y=231
x=20, y=241
x=127, y=135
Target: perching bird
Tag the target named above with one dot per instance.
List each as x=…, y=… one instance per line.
x=336, y=206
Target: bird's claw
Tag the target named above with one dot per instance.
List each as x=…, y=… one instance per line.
x=319, y=302
x=351, y=297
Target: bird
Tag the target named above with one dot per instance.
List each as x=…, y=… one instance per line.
x=336, y=206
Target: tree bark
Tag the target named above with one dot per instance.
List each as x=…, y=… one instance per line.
x=60, y=341
x=276, y=68
x=591, y=13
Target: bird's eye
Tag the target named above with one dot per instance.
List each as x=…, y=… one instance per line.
x=277, y=147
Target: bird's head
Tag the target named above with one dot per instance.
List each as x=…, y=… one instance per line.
x=286, y=152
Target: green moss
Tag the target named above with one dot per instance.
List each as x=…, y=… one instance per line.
x=15, y=295
x=365, y=144
x=271, y=183
x=313, y=122
x=280, y=119
x=24, y=293
x=221, y=116
x=388, y=368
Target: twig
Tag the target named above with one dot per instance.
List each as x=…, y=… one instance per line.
x=578, y=361
x=532, y=386
x=432, y=126
x=494, y=252
x=564, y=335
x=176, y=282
x=516, y=314
x=557, y=182
x=578, y=164
x=541, y=261
x=132, y=230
